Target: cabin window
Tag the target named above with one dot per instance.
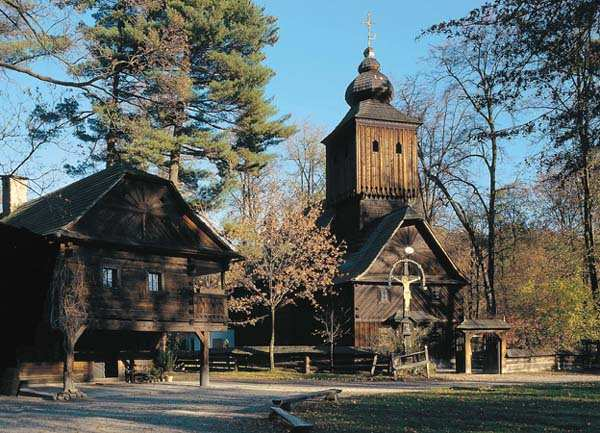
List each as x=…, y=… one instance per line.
x=375, y=146
x=109, y=278
x=398, y=147
x=384, y=294
x=154, y=281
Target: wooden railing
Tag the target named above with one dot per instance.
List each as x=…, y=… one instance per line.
x=199, y=307
x=409, y=361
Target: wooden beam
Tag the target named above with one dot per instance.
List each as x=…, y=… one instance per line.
x=468, y=352
x=153, y=326
x=501, y=353
x=286, y=403
x=296, y=424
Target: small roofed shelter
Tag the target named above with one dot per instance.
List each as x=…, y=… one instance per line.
x=150, y=265
x=493, y=334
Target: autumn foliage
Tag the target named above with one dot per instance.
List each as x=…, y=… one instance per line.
x=289, y=256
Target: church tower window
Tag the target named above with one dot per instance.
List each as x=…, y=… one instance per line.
x=375, y=146
x=398, y=147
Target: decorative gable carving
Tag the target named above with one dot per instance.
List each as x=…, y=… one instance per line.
x=143, y=213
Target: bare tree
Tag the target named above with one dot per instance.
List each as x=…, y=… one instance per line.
x=307, y=155
x=68, y=311
x=446, y=124
x=333, y=325
x=471, y=64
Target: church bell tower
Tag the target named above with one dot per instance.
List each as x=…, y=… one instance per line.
x=372, y=164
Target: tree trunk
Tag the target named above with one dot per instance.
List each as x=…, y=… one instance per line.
x=174, y=161
x=331, y=339
x=588, y=234
x=272, y=342
x=331, y=356
x=69, y=346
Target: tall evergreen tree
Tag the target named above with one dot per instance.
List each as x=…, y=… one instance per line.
x=186, y=90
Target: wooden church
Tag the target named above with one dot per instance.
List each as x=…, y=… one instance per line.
x=372, y=179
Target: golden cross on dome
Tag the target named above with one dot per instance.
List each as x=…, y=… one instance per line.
x=370, y=35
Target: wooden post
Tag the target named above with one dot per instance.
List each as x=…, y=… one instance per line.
x=501, y=354
x=162, y=342
x=307, y=364
x=204, y=360
x=468, y=353
x=427, y=362
x=374, y=366
x=69, y=347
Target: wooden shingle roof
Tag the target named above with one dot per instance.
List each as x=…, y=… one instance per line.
x=483, y=325
x=52, y=212
x=357, y=263
x=56, y=212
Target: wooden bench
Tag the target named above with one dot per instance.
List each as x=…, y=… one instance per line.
x=295, y=423
x=286, y=403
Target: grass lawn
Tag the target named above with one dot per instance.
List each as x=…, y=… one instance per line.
x=543, y=408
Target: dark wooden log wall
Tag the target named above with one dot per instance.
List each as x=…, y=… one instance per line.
x=386, y=173
x=372, y=313
x=354, y=168
x=341, y=166
x=177, y=301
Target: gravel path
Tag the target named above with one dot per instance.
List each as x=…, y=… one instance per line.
x=223, y=407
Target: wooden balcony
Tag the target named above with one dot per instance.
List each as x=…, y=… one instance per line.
x=160, y=306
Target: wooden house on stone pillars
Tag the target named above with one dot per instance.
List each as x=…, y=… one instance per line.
x=147, y=265
x=372, y=181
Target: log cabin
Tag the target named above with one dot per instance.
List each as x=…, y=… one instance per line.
x=151, y=265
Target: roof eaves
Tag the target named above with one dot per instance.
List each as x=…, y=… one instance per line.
x=454, y=267
x=96, y=201
x=366, y=270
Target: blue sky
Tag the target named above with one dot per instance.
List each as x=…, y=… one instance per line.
x=321, y=45
x=319, y=48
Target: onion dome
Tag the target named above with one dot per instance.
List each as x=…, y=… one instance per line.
x=370, y=83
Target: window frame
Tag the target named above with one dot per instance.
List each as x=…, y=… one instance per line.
x=115, y=277
x=159, y=282
x=384, y=298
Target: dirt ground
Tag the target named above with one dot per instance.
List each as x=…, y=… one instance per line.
x=226, y=406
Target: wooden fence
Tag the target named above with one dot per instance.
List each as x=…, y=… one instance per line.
x=411, y=361
x=301, y=358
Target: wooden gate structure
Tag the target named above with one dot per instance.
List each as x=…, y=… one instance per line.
x=480, y=327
